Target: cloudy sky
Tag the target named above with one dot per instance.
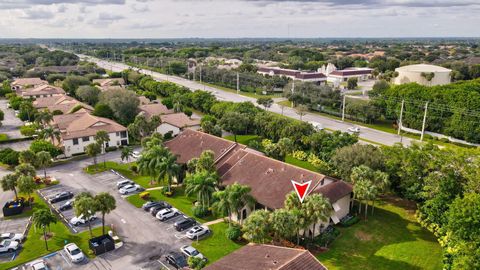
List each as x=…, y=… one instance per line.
x=238, y=18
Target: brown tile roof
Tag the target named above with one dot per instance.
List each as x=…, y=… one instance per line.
x=351, y=72
x=83, y=124
x=109, y=82
x=179, y=120
x=143, y=100
x=154, y=109
x=61, y=103
x=28, y=81
x=267, y=257
x=44, y=89
x=335, y=190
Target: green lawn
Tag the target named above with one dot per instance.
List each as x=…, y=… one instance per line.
x=243, y=139
x=217, y=245
x=391, y=239
x=38, y=204
x=124, y=169
x=3, y=137
x=286, y=103
x=300, y=163
x=179, y=200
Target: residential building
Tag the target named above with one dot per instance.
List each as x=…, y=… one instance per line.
x=269, y=179
x=44, y=90
x=177, y=122
x=420, y=74
x=24, y=83
x=110, y=83
x=338, y=76
x=315, y=77
x=61, y=103
x=267, y=257
x=152, y=109
x=77, y=130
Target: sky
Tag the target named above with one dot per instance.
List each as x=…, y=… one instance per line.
x=238, y=18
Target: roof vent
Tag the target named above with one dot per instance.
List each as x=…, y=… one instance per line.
x=275, y=262
x=322, y=182
x=269, y=171
x=267, y=255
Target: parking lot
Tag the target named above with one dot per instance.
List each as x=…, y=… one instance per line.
x=17, y=225
x=66, y=215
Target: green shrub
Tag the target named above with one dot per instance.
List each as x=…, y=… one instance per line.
x=9, y=156
x=300, y=155
x=28, y=131
x=233, y=232
x=350, y=221
x=168, y=135
x=196, y=263
x=111, y=148
x=134, y=168
x=144, y=195
x=200, y=211
x=445, y=140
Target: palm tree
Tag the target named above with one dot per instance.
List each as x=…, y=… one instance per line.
x=318, y=208
x=257, y=226
x=42, y=218
x=25, y=169
x=203, y=185
x=168, y=168
x=51, y=134
x=296, y=208
x=222, y=205
x=85, y=206
x=150, y=161
x=283, y=224
x=9, y=182
x=105, y=203
x=177, y=103
x=26, y=185
x=127, y=152
x=239, y=197
x=92, y=150
x=360, y=189
x=44, y=159
x=102, y=138
x=44, y=117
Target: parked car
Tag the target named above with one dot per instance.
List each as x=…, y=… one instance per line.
x=176, y=259
x=148, y=205
x=80, y=220
x=197, y=231
x=39, y=265
x=190, y=251
x=167, y=213
x=136, y=154
x=9, y=246
x=129, y=189
x=121, y=184
x=66, y=206
x=353, y=129
x=62, y=196
x=184, y=223
x=74, y=253
x=155, y=209
x=12, y=236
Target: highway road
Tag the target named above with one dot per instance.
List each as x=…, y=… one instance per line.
x=368, y=134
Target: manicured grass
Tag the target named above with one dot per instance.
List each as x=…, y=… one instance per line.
x=286, y=103
x=179, y=200
x=242, y=139
x=390, y=239
x=38, y=203
x=3, y=137
x=300, y=163
x=123, y=169
x=217, y=245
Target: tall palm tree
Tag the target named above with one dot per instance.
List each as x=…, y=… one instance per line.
x=25, y=169
x=44, y=117
x=85, y=206
x=150, y=161
x=203, y=185
x=49, y=133
x=26, y=185
x=283, y=224
x=44, y=159
x=92, y=150
x=42, y=218
x=168, y=168
x=127, y=152
x=105, y=203
x=102, y=138
x=318, y=208
x=293, y=204
x=257, y=226
x=222, y=205
x=9, y=182
x=239, y=197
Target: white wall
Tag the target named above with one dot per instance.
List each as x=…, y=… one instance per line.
x=440, y=78
x=71, y=149
x=164, y=128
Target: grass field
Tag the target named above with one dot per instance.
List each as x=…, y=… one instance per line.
x=124, y=169
x=3, y=137
x=242, y=139
x=300, y=163
x=216, y=245
x=179, y=200
x=391, y=239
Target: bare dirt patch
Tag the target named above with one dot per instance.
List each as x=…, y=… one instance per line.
x=363, y=236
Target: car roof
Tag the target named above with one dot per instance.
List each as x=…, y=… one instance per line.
x=189, y=248
x=71, y=246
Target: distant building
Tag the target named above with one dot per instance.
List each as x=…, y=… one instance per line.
x=315, y=77
x=267, y=257
x=152, y=109
x=338, y=76
x=62, y=103
x=110, y=83
x=421, y=74
x=177, y=122
x=43, y=90
x=24, y=83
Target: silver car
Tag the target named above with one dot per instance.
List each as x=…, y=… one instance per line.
x=197, y=231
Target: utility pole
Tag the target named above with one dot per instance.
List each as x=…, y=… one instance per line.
x=238, y=83
x=200, y=73
x=424, y=121
x=343, y=107
x=293, y=89
x=401, y=118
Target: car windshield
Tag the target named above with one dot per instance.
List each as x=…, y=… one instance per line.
x=194, y=252
x=6, y=243
x=11, y=235
x=75, y=251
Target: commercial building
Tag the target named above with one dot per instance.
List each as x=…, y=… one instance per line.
x=338, y=76
x=423, y=74
x=315, y=77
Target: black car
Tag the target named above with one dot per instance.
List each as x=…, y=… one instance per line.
x=61, y=197
x=184, y=223
x=149, y=205
x=176, y=259
x=66, y=206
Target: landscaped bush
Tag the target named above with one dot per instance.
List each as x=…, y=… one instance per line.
x=9, y=157
x=168, y=193
x=27, y=130
x=168, y=135
x=233, y=232
x=255, y=144
x=145, y=195
x=196, y=263
x=134, y=168
x=327, y=236
x=111, y=148
x=200, y=211
x=350, y=221
x=300, y=155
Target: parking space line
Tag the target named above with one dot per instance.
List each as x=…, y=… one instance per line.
x=163, y=264
x=61, y=254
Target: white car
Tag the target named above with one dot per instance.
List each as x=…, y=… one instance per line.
x=39, y=265
x=136, y=154
x=74, y=253
x=167, y=213
x=12, y=236
x=123, y=183
x=129, y=189
x=197, y=231
x=76, y=221
x=192, y=252
x=353, y=129
x=8, y=246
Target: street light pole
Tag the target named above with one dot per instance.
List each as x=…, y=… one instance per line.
x=238, y=83
x=401, y=118
x=424, y=121
x=343, y=107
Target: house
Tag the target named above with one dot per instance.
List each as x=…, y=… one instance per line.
x=177, y=122
x=143, y=100
x=77, y=130
x=44, y=90
x=267, y=257
x=110, y=83
x=269, y=179
x=152, y=109
x=64, y=103
x=24, y=83
x=338, y=76
x=315, y=77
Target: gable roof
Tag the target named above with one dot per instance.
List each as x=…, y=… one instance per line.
x=154, y=109
x=44, y=89
x=62, y=103
x=28, y=81
x=267, y=257
x=82, y=124
x=179, y=120
x=109, y=82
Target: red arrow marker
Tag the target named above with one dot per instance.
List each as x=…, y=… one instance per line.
x=301, y=189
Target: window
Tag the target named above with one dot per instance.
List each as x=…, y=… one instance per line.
x=85, y=139
x=75, y=141
x=118, y=134
x=123, y=134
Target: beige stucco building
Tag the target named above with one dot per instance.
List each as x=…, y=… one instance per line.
x=413, y=73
